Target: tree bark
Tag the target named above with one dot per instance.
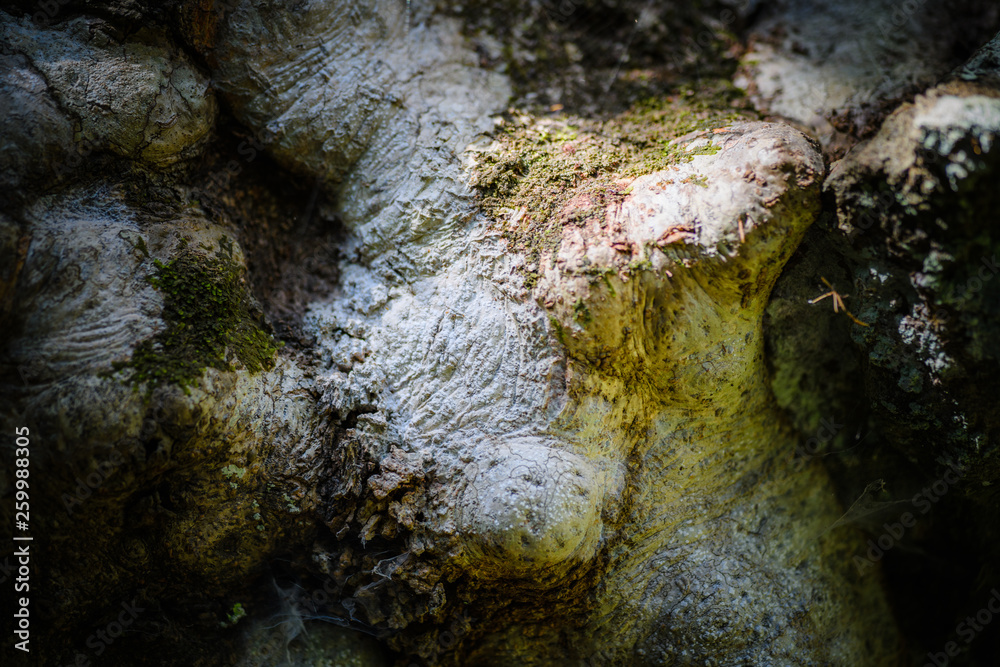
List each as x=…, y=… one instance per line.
x=339, y=333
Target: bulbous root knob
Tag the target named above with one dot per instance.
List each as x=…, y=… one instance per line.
x=532, y=509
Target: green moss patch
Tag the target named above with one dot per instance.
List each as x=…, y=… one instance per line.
x=539, y=165
x=211, y=321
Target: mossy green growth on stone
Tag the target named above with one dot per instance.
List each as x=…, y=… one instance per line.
x=211, y=321
x=537, y=165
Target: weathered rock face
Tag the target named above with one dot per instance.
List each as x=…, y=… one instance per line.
x=555, y=465
x=375, y=110
x=503, y=459
x=159, y=463
x=133, y=348
x=527, y=417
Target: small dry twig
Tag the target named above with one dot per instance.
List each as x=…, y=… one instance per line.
x=838, y=302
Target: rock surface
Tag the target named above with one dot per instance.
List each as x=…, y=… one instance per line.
x=910, y=239
x=81, y=88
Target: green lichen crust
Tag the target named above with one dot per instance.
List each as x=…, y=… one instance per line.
x=212, y=321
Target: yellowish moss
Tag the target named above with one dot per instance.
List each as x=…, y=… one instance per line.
x=538, y=165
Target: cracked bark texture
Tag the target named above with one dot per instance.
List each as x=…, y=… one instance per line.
x=472, y=448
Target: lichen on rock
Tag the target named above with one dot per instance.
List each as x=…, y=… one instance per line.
x=917, y=189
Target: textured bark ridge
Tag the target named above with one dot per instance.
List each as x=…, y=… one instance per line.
x=133, y=346
x=79, y=89
x=922, y=183
x=658, y=301
x=839, y=69
x=519, y=465
x=536, y=403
